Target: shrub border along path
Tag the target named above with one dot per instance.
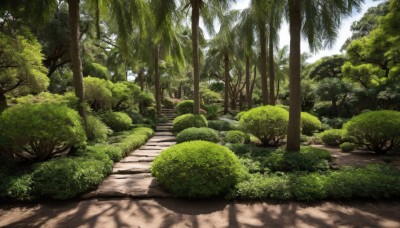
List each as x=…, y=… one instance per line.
x=131, y=176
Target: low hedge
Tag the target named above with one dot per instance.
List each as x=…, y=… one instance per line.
x=117, y=121
x=183, y=122
x=221, y=125
x=237, y=137
x=372, y=182
x=332, y=137
x=193, y=134
x=308, y=159
x=64, y=178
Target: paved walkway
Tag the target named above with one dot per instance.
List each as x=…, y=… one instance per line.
x=131, y=176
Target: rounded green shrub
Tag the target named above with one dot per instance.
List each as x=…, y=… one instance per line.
x=309, y=123
x=221, y=125
x=183, y=122
x=237, y=137
x=67, y=177
x=332, y=137
x=96, y=130
x=37, y=132
x=379, y=131
x=267, y=123
x=168, y=103
x=348, y=146
x=197, y=169
x=184, y=107
x=117, y=121
x=193, y=134
x=239, y=115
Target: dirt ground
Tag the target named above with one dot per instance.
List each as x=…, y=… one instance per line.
x=211, y=213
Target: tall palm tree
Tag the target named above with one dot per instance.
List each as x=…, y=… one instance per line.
x=318, y=21
x=205, y=8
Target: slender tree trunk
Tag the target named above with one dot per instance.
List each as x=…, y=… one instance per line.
x=76, y=61
x=195, y=55
x=226, y=88
x=293, y=140
x=141, y=79
x=157, y=79
x=248, y=96
x=3, y=102
x=271, y=65
x=278, y=88
x=263, y=59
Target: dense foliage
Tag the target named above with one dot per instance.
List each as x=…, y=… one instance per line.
x=379, y=131
x=197, y=169
x=237, y=137
x=309, y=123
x=332, y=137
x=117, y=121
x=268, y=123
x=221, y=125
x=193, y=134
x=185, y=121
x=37, y=132
x=96, y=130
x=184, y=107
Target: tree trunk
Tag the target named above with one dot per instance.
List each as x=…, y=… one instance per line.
x=157, y=79
x=195, y=55
x=141, y=79
x=293, y=140
x=248, y=96
x=263, y=59
x=271, y=65
x=226, y=88
x=76, y=61
x=3, y=102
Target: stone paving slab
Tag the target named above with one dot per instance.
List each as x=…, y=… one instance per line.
x=163, y=139
x=163, y=128
x=137, y=186
x=163, y=133
x=146, y=153
x=165, y=124
x=137, y=159
x=152, y=147
x=131, y=168
x=163, y=144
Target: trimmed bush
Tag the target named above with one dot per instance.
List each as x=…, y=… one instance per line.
x=183, y=122
x=96, y=130
x=308, y=159
x=16, y=187
x=348, y=146
x=197, y=169
x=184, y=107
x=193, y=134
x=379, y=131
x=237, y=137
x=332, y=137
x=37, y=132
x=67, y=177
x=309, y=123
x=117, y=121
x=168, y=103
x=376, y=182
x=239, y=115
x=221, y=125
x=267, y=123
x=134, y=139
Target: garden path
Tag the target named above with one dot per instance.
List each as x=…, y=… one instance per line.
x=131, y=176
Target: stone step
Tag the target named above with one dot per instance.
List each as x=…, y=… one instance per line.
x=146, y=153
x=163, y=133
x=135, y=186
x=130, y=159
x=161, y=144
x=152, y=147
x=165, y=124
x=131, y=168
x=163, y=139
x=163, y=128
